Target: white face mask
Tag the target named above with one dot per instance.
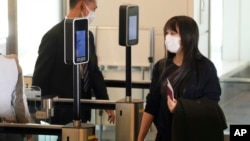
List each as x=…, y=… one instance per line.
x=172, y=43
x=91, y=15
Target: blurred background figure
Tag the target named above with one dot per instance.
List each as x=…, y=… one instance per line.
x=13, y=102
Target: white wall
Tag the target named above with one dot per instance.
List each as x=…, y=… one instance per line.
x=244, y=31
x=231, y=26
x=152, y=14
x=236, y=30
x=201, y=15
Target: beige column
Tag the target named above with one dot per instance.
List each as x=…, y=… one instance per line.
x=12, y=41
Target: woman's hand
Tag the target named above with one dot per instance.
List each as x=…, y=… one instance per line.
x=171, y=104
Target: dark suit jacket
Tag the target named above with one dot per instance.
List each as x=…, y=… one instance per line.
x=54, y=77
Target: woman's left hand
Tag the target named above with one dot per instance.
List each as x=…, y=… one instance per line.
x=171, y=104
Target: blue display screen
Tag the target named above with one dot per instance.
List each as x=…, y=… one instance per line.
x=132, y=27
x=80, y=46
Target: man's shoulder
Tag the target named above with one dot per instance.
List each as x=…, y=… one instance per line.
x=58, y=27
x=54, y=31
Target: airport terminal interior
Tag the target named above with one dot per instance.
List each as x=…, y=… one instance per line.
x=223, y=40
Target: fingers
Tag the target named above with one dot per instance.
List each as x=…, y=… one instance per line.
x=111, y=119
x=171, y=104
x=111, y=116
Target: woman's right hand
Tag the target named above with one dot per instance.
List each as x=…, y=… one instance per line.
x=171, y=104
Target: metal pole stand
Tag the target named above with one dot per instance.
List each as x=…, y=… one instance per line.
x=77, y=131
x=128, y=111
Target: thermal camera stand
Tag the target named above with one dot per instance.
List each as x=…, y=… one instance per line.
x=128, y=111
x=128, y=74
x=77, y=131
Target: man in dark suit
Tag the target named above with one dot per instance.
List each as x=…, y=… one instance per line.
x=55, y=78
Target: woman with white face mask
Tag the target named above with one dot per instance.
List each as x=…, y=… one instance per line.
x=183, y=77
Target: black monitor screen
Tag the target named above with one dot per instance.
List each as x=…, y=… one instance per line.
x=128, y=25
x=76, y=41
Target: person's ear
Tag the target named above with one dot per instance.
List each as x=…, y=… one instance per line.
x=81, y=5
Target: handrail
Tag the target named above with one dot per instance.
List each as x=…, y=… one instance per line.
x=97, y=104
x=235, y=80
x=91, y=104
x=143, y=84
x=31, y=128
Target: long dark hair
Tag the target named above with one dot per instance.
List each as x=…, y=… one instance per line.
x=189, y=33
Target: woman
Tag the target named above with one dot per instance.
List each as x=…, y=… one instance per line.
x=191, y=75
